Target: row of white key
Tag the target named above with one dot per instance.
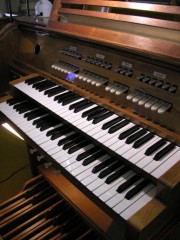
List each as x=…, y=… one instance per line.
x=67, y=160
x=156, y=168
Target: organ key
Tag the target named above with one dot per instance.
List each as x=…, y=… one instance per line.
x=97, y=102
x=122, y=137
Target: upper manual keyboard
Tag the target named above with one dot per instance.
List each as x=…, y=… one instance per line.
x=135, y=144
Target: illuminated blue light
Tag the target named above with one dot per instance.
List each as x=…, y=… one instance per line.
x=70, y=77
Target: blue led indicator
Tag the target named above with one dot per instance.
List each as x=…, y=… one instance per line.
x=70, y=77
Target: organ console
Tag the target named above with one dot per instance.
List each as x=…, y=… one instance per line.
x=97, y=100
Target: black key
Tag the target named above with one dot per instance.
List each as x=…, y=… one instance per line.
x=128, y=132
x=128, y=183
x=135, y=136
x=103, y=164
x=55, y=130
x=83, y=106
x=36, y=85
x=96, y=114
x=16, y=100
x=63, y=96
x=58, y=134
x=25, y=108
x=73, y=141
x=136, y=189
x=143, y=140
x=164, y=151
x=21, y=108
x=102, y=117
x=118, y=173
x=19, y=104
x=26, y=115
x=118, y=126
x=47, y=86
x=155, y=147
x=67, y=139
x=111, y=123
x=28, y=105
x=78, y=146
x=44, y=126
x=47, y=121
x=54, y=91
x=48, y=124
x=34, y=114
x=87, y=153
x=41, y=120
x=90, y=111
x=109, y=169
x=70, y=100
x=42, y=84
x=81, y=103
x=93, y=158
x=34, y=80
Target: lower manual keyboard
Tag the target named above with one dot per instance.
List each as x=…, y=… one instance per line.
x=115, y=184
x=128, y=140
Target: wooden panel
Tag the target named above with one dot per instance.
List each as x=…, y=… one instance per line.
x=172, y=177
x=146, y=221
x=122, y=17
x=127, y=5
x=166, y=30
x=54, y=11
x=77, y=199
x=138, y=44
x=9, y=42
x=136, y=33
x=5, y=98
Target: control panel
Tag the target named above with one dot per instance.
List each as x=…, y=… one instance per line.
x=145, y=86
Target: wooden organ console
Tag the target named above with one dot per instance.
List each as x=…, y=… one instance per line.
x=97, y=100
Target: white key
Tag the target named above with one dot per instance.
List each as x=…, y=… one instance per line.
x=54, y=150
x=42, y=137
x=124, y=204
x=112, y=191
x=61, y=157
x=143, y=162
x=167, y=162
x=71, y=161
x=94, y=126
x=109, y=139
x=97, y=127
x=82, y=168
x=116, y=199
x=53, y=143
x=140, y=203
x=89, y=179
x=99, y=182
x=88, y=171
x=139, y=151
x=106, y=187
x=78, y=115
x=125, y=149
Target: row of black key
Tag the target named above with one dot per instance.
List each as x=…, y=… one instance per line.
x=108, y=169
x=97, y=114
